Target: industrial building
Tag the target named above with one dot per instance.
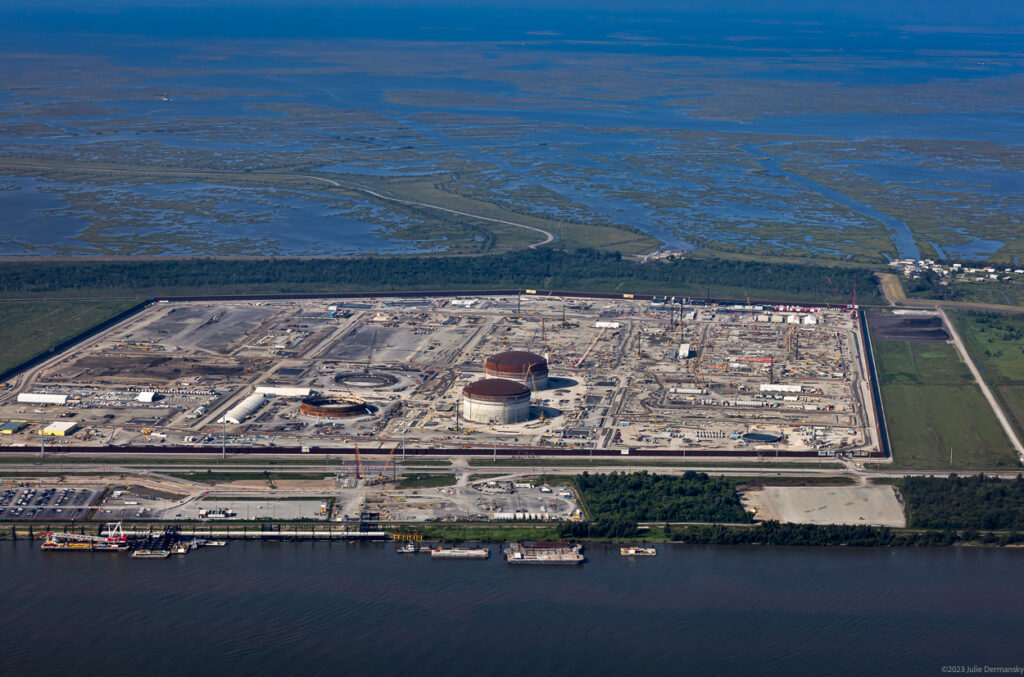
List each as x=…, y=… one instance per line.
x=12, y=427
x=243, y=410
x=519, y=365
x=496, y=401
x=503, y=372
x=42, y=398
x=60, y=428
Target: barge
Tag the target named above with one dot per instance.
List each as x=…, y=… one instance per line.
x=637, y=551
x=114, y=541
x=532, y=552
x=460, y=553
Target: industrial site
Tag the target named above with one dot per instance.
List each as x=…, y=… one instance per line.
x=504, y=374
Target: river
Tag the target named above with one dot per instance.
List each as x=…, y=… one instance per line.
x=304, y=608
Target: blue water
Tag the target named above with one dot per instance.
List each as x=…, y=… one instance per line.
x=597, y=150
x=271, y=609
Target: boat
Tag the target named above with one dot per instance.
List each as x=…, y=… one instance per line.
x=409, y=548
x=214, y=544
x=532, y=552
x=638, y=551
x=151, y=554
x=460, y=553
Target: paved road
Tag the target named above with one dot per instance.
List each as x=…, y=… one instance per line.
x=548, y=237
x=1003, y=421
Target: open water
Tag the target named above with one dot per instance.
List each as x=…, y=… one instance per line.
x=303, y=608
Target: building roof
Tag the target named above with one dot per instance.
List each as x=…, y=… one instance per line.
x=517, y=361
x=498, y=388
x=60, y=426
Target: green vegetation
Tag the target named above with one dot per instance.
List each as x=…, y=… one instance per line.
x=580, y=270
x=774, y=533
x=480, y=533
x=920, y=363
x=995, y=342
x=1000, y=292
x=34, y=327
x=481, y=476
x=932, y=404
x=641, y=461
x=644, y=497
x=216, y=476
x=976, y=502
x=758, y=482
x=419, y=480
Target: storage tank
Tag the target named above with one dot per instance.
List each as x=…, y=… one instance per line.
x=496, y=400
x=527, y=368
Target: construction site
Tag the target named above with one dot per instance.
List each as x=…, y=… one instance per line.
x=528, y=373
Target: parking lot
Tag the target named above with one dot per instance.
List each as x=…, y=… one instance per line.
x=46, y=503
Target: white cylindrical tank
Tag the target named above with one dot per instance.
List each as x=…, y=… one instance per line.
x=496, y=401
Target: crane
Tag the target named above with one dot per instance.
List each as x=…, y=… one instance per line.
x=382, y=477
x=529, y=374
x=835, y=296
x=853, y=301
x=359, y=464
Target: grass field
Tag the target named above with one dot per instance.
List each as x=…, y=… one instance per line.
x=932, y=404
x=920, y=363
x=996, y=343
x=424, y=480
x=33, y=327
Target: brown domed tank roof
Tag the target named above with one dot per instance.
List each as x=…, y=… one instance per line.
x=496, y=389
x=516, y=362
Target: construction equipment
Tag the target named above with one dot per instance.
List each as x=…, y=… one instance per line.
x=529, y=375
x=835, y=296
x=382, y=477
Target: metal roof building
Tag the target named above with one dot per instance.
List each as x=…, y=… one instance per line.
x=41, y=398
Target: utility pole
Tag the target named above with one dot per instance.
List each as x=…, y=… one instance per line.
x=42, y=438
x=224, y=436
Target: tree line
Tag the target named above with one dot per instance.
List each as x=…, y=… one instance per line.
x=955, y=502
x=581, y=269
x=775, y=533
x=646, y=497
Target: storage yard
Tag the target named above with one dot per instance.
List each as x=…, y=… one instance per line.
x=505, y=374
x=342, y=499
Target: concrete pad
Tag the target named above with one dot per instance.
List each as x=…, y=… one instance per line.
x=868, y=505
